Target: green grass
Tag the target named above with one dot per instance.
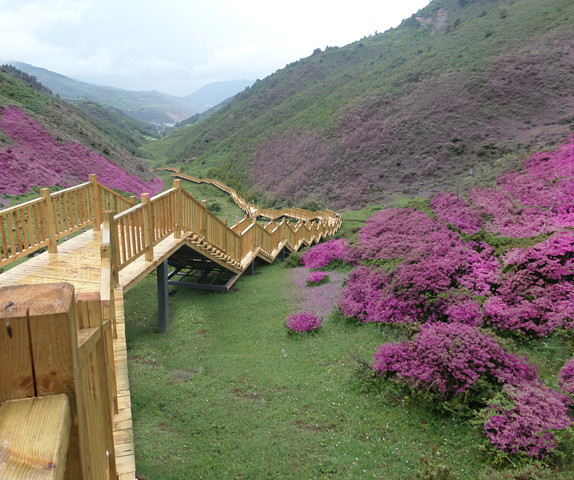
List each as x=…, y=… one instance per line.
x=228, y=393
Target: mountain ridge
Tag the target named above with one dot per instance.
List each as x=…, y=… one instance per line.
x=151, y=107
x=410, y=111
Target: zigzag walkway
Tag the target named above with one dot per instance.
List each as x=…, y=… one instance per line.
x=116, y=244
x=250, y=209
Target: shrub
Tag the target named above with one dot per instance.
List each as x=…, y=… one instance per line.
x=452, y=208
x=369, y=297
x=317, y=277
x=522, y=419
x=303, y=321
x=566, y=377
x=449, y=359
x=320, y=255
x=536, y=294
x=394, y=233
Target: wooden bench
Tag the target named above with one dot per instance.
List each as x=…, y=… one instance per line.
x=34, y=437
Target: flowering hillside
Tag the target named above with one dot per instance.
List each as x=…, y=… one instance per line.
x=496, y=263
x=32, y=157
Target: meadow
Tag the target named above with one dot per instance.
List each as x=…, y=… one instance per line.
x=445, y=356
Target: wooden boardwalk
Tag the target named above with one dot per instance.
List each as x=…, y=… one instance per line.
x=78, y=262
x=124, y=249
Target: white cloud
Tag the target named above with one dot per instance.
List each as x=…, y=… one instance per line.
x=180, y=45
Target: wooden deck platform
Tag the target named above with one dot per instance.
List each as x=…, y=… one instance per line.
x=78, y=262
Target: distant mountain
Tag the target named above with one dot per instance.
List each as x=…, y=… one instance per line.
x=152, y=107
x=449, y=99
x=215, y=93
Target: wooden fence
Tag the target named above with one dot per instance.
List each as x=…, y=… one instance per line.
x=250, y=209
x=41, y=222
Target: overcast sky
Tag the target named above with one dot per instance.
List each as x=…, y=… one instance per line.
x=177, y=46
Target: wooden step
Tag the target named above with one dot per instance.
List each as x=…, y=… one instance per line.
x=34, y=437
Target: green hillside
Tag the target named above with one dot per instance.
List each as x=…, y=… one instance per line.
x=448, y=99
x=102, y=130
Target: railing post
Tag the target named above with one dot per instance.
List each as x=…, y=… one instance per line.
x=203, y=231
x=225, y=232
x=178, y=208
x=147, y=226
x=110, y=242
x=49, y=220
x=96, y=202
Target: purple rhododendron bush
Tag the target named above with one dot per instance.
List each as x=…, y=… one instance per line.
x=320, y=255
x=477, y=279
x=524, y=418
x=36, y=158
x=303, y=321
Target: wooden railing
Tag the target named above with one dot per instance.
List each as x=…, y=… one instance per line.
x=136, y=229
x=54, y=344
x=41, y=222
x=250, y=209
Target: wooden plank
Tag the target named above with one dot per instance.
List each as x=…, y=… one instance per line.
x=34, y=438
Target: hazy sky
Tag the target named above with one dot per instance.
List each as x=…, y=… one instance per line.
x=177, y=46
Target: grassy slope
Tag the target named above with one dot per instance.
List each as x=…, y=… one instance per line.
x=67, y=123
x=457, y=99
x=229, y=394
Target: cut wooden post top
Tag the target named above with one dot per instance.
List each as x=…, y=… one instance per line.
x=41, y=299
x=34, y=437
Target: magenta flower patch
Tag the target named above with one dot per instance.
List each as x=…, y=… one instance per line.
x=452, y=208
x=566, y=377
x=536, y=295
x=303, y=321
x=36, y=158
x=320, y=255
x=450, y=358
x=317, y=277
x=525, y=418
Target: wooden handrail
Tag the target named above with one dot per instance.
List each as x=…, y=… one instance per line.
x=136, y=229
x=41, y=222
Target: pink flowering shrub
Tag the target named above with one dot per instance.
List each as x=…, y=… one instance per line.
x=36, y=158
x=450, y=359
x=507, y=218
x=536, y=294
x=526, y=189
x=457, y=306
x=320, y=255
x=303, y=321
x=394, y=233
x=563, y=207
x=482, y=269
x=452, y=208
x=433, y=265
x=439, y=265
x=317, y=277
x=369, y=296
x=566, y=377
x=523, y=419
x=550, y=166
